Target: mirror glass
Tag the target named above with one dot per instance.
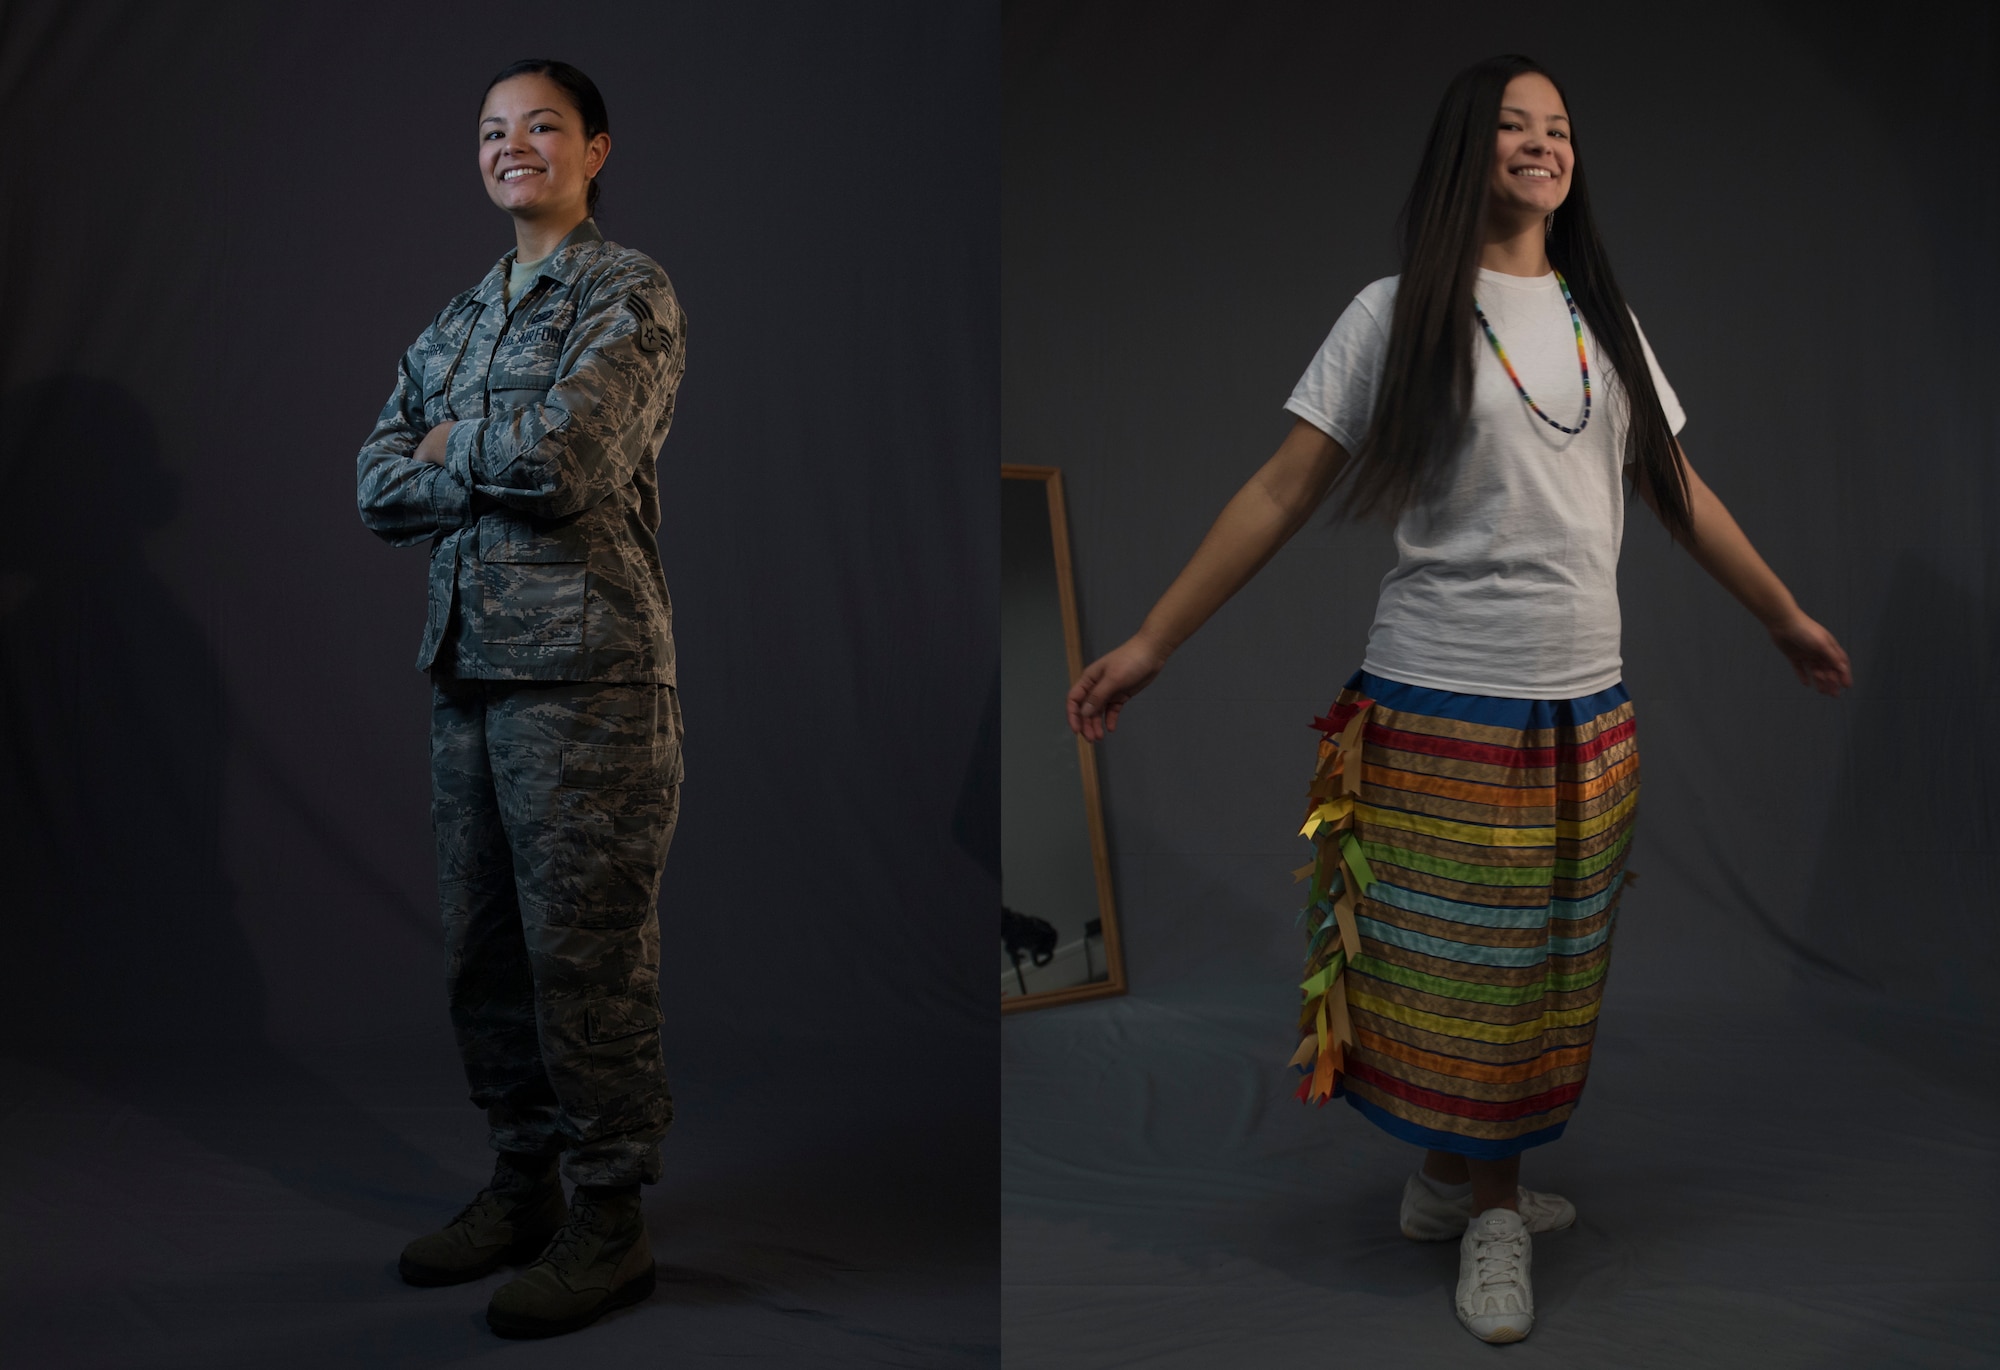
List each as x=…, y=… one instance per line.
x=1058, y=931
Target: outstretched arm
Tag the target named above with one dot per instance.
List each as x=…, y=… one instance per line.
x=1720, y=548
x=1256, y=522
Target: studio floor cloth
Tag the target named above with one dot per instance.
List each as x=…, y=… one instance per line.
x=1471, y=857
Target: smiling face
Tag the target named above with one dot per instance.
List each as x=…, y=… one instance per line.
x=1532, y=156
x=533, y=154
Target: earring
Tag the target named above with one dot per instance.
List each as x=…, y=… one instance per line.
x=1549, y=223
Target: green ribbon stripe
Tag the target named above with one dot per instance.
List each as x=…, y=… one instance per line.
x=1591, y=865
x=1513, y=876
x=1504, y=995
x=1519, y=876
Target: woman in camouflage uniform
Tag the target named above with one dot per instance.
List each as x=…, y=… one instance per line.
x=520, y=443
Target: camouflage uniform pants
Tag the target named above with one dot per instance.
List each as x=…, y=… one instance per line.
x=553, y=806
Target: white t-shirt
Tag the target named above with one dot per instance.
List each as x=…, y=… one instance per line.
x=1507, y=583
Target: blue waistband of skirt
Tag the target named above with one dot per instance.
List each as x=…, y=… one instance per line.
x=1491, y=710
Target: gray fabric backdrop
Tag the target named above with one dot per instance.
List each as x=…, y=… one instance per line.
x=224, y=224
x=1801, y=215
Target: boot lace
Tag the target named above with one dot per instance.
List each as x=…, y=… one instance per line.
x=484, y=1202
x=567, y=1248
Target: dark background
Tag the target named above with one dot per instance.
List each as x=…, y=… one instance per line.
x=231, y=1089
x=1786, y=1154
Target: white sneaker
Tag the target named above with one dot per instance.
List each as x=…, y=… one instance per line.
x=1429, y=1218
x=1495, y=1301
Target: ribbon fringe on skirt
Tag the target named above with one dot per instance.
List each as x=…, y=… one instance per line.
x=1470, y=856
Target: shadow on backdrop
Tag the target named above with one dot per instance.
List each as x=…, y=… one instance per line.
x=1910, y=825
x=127, y=967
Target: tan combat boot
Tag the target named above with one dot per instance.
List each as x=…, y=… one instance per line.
x=509, y=1221
x=601, y=1260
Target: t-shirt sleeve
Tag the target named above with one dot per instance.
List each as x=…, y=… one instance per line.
x=1337, y=393
x=1676, y=416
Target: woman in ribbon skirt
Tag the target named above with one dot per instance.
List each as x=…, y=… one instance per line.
x=1478, y=777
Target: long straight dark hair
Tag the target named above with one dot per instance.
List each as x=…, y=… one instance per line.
x=1426, y=390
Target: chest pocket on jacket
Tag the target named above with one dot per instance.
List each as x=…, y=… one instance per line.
x=530, y=356
x=534, y=581
x=442, y=358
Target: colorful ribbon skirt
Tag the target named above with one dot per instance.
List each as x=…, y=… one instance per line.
x=1470, y=855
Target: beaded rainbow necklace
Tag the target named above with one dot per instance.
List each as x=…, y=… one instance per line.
x=1582, y=361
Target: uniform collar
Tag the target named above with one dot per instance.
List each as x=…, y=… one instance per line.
x=564, y=264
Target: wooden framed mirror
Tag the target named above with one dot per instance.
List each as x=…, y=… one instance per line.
x=1058, y=921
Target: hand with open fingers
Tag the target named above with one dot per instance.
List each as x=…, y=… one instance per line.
x=1107, y=683
x=1816, y=657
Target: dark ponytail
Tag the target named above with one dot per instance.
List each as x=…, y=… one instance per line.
x=582, y=92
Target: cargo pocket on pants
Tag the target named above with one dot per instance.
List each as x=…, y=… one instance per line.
x=615, y=808
x=627, y=1076
x=611, y=1017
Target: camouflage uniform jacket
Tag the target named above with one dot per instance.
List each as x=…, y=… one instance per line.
x=544, y=519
